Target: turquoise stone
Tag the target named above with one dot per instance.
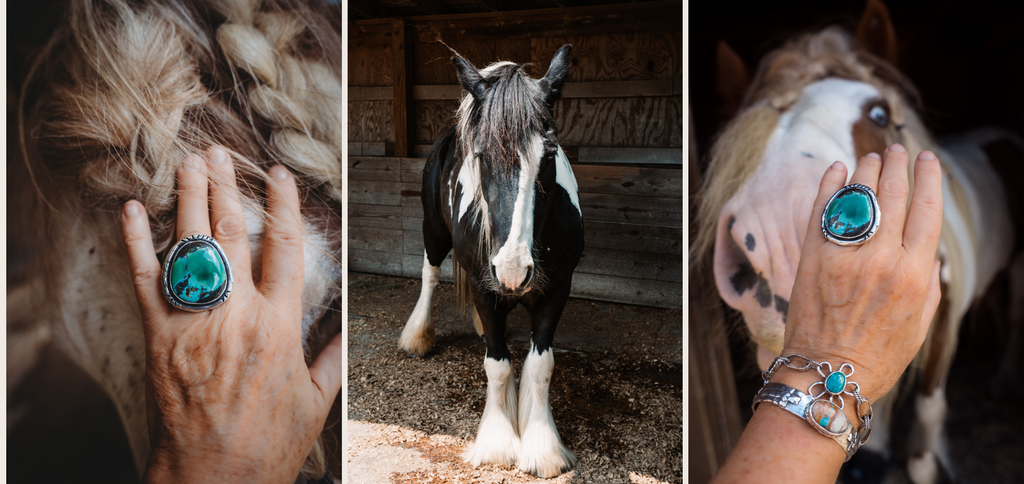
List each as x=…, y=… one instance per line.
x=850, y=214
x=198, y=275
x=835, y=382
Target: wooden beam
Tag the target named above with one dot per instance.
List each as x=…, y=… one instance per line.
x=659, y=156
x=356, y=93
x=403, y=106
x=368, y=8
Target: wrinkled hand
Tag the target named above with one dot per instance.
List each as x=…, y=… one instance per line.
x=870, y=305
x=229, y=396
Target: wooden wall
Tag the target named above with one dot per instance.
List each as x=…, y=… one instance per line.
x=620, y=123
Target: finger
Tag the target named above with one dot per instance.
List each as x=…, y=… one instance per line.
x=326, y=374
x=831, y=182
x=282, y=252
x=893, y=188
x=145, y=268
x=226, y=217
x=931, y=300
x=924, y=222
x=868, y=168
x=193, y=207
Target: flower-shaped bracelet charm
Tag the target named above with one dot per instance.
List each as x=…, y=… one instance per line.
x=835, y=383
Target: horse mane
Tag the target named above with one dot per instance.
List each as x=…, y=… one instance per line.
x=125, y=90
x=781, y=77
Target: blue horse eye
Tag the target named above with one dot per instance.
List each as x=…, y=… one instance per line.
x=879, y=116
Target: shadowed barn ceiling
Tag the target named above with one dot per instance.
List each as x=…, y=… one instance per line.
x=369, y=9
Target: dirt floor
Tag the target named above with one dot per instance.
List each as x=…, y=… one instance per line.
x=616, y=393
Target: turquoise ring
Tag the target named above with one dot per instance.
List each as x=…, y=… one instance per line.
x=197, y=275
x=851, y=216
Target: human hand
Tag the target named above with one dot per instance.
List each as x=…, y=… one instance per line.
x=870, y=305
x=229, y=397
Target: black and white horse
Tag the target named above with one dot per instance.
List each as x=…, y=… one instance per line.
x=499, y=190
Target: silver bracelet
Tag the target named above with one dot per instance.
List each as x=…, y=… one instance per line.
x=822, y=413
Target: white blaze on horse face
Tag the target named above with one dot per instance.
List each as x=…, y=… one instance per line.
x=514, y=259
x=543, y=453
x=762, y=228
x=497, y=441
x=566, y=179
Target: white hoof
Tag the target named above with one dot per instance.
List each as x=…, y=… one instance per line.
x=923, y=468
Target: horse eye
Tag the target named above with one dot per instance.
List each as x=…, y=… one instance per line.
x=879, y=115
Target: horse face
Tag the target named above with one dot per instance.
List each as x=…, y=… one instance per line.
x=761, y=229
x=507, y=126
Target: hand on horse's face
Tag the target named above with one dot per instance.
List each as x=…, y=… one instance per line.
x=229, y=396
x=870, y=305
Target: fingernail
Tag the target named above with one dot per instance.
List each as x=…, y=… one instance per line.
x=278, y=172
x=897, y=147
x=873, y=155
x=926, y=155
x=837, y=165
x=131, y=209
x=218, y=155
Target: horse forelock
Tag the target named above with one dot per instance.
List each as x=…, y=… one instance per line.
x=501, y=125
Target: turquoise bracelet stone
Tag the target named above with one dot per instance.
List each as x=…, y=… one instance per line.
x=851, y=216
x=197, y=275
x=836, y=382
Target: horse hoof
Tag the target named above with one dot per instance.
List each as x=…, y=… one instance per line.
x=865, y=467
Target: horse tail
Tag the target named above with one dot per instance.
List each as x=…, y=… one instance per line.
x=462, y=295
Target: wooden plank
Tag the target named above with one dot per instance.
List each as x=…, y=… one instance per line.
x=412, y=170
x=638, y=265
x=572, y=90
x=660, y=156
x=627, y=290
x=633, y=122
x=356, y=93
x=374, y=193
x=616, y=57
x=636, y=237
x=375, y=262
x=412, y=266
x=590, y=20
x=626, y=209
x=401, y=90
x=375, y=216
x=374, y=169
x=432, y=118
x=367, y=148
x=371, y=121
x=369, y=238
x=369, y=66
x=637, y=182
x=369, y=33
x=433, y=59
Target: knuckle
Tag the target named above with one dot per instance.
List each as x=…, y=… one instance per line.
x=230, y=228
x=895, y=187
x=145, y=275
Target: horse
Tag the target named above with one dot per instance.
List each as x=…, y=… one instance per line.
x=822, y=97
x=123, y=92
x=498, y=191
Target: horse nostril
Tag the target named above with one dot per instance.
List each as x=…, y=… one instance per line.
x=529, y=276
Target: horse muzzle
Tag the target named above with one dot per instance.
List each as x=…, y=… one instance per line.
x=513, y=281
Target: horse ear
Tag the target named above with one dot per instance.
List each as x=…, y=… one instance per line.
x=875, y=31
x=733, y=78
x=470, y=78
x=554, y=80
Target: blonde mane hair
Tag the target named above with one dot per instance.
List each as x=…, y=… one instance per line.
x=124, y=91
x=781, y=77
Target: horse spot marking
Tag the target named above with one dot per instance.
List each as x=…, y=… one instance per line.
x=782, y=306
x=749, y=242
x=128, y=349
x=764, y=293
x=103, y=328
x=92, y=251
x=744, y=278
x=806, y=154
x=732, y=221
